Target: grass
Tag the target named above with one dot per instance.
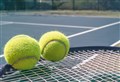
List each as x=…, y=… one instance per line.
x=85, y=13
x=111, y=14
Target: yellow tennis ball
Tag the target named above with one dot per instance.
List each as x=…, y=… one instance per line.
x=54, y=46
x=22, y=52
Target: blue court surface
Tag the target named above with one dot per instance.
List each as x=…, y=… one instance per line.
x=81, y=31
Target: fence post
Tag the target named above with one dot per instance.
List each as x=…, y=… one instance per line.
x=15, y=5
x=52, y=4
x=98, y=5
x=73, y=4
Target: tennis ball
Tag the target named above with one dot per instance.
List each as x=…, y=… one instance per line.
x=22, y=52
x=54, y=46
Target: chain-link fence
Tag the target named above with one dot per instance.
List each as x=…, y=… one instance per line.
x=60, y=4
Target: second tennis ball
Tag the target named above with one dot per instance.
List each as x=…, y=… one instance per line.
x=54, y=46
x=22, y=52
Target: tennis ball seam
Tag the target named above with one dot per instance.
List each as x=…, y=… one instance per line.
x=56, y=41
x=23, y=58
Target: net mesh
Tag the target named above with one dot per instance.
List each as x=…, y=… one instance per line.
x=78, y=66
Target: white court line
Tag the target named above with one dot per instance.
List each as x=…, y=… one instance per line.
x=97, y=28
x=1, y=56
x=53, y=25
x=114, y=44
x=85, y=61
x=5, y=23
x=94, y=56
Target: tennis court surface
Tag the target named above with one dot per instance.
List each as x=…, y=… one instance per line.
x=83, y=63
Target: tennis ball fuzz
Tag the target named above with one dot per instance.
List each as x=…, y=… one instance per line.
x=22, y=52
x=54, y=46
